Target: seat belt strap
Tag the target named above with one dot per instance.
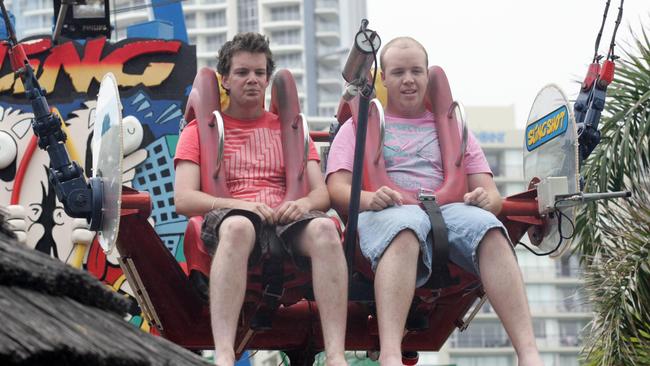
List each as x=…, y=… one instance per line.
x=440, y=277
x=273, y=273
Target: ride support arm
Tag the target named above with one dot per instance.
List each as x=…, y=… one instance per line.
x=80, y=198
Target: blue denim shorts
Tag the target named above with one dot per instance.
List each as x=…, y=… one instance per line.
x=466, y=226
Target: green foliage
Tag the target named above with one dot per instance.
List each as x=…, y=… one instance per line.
x=618, y=284
x=614, y=236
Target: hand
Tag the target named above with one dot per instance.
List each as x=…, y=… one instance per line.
x=17, y=220
x=384, y=197
x=478, y=197
x=290, y=211
x=262, y=210
x=81, y=232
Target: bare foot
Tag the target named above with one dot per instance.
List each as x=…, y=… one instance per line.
x=337, y=360
x=390, y=360
x=224, y=358
x=220, y=362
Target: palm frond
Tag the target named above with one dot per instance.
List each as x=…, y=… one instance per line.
x=614, y=236
x=618, y=286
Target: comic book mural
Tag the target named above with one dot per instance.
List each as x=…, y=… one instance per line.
x=154, y=78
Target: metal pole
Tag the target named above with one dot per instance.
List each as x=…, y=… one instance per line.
x=63, y=9
x=357, y=175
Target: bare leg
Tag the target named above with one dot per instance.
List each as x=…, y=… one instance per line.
x=394, y=289
x=228, y=284
x=504, y=286
x=320, y=241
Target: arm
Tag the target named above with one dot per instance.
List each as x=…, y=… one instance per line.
x=316, y=199
x=190, y=201
x=339, y=179
x=483, y=193
x=339, y=185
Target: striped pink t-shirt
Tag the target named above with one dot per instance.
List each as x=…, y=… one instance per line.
x=253, y=159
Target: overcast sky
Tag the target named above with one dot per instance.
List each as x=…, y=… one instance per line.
x=501, y=52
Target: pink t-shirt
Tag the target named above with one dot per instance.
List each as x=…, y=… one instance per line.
x=411, y=152
x=253, y=159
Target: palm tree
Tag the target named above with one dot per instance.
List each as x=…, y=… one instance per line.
x=614, y=236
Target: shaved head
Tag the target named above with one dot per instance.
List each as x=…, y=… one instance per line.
x=402, y=43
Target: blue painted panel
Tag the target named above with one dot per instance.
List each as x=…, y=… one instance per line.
x=155, y=29
x=171, y=12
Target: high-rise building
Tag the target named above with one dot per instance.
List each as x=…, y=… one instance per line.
x=156, y=175
x=309, y=37
x=32, y=16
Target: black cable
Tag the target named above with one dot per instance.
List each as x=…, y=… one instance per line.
x=559, y=222
x=600, y=32
x=541, y=254
x=374, y=73
x=559, y=228
x=612, y=44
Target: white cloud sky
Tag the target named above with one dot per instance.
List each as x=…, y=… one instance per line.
x=501, y=52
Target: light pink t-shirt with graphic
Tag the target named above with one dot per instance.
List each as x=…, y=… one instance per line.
x=411, y=152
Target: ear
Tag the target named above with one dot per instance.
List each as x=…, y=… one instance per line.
x=225, y=82
x=383, y=77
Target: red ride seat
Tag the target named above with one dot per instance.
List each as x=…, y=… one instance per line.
x=204, y=99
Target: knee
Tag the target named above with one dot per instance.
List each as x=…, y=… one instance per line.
x=494, y=240
x=236, y=233
x=406, y=244
x=323, y=237
x=322, y=228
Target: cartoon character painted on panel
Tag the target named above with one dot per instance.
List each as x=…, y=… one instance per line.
x=51, y=233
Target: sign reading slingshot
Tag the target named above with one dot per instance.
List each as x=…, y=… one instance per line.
x=551, y=163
